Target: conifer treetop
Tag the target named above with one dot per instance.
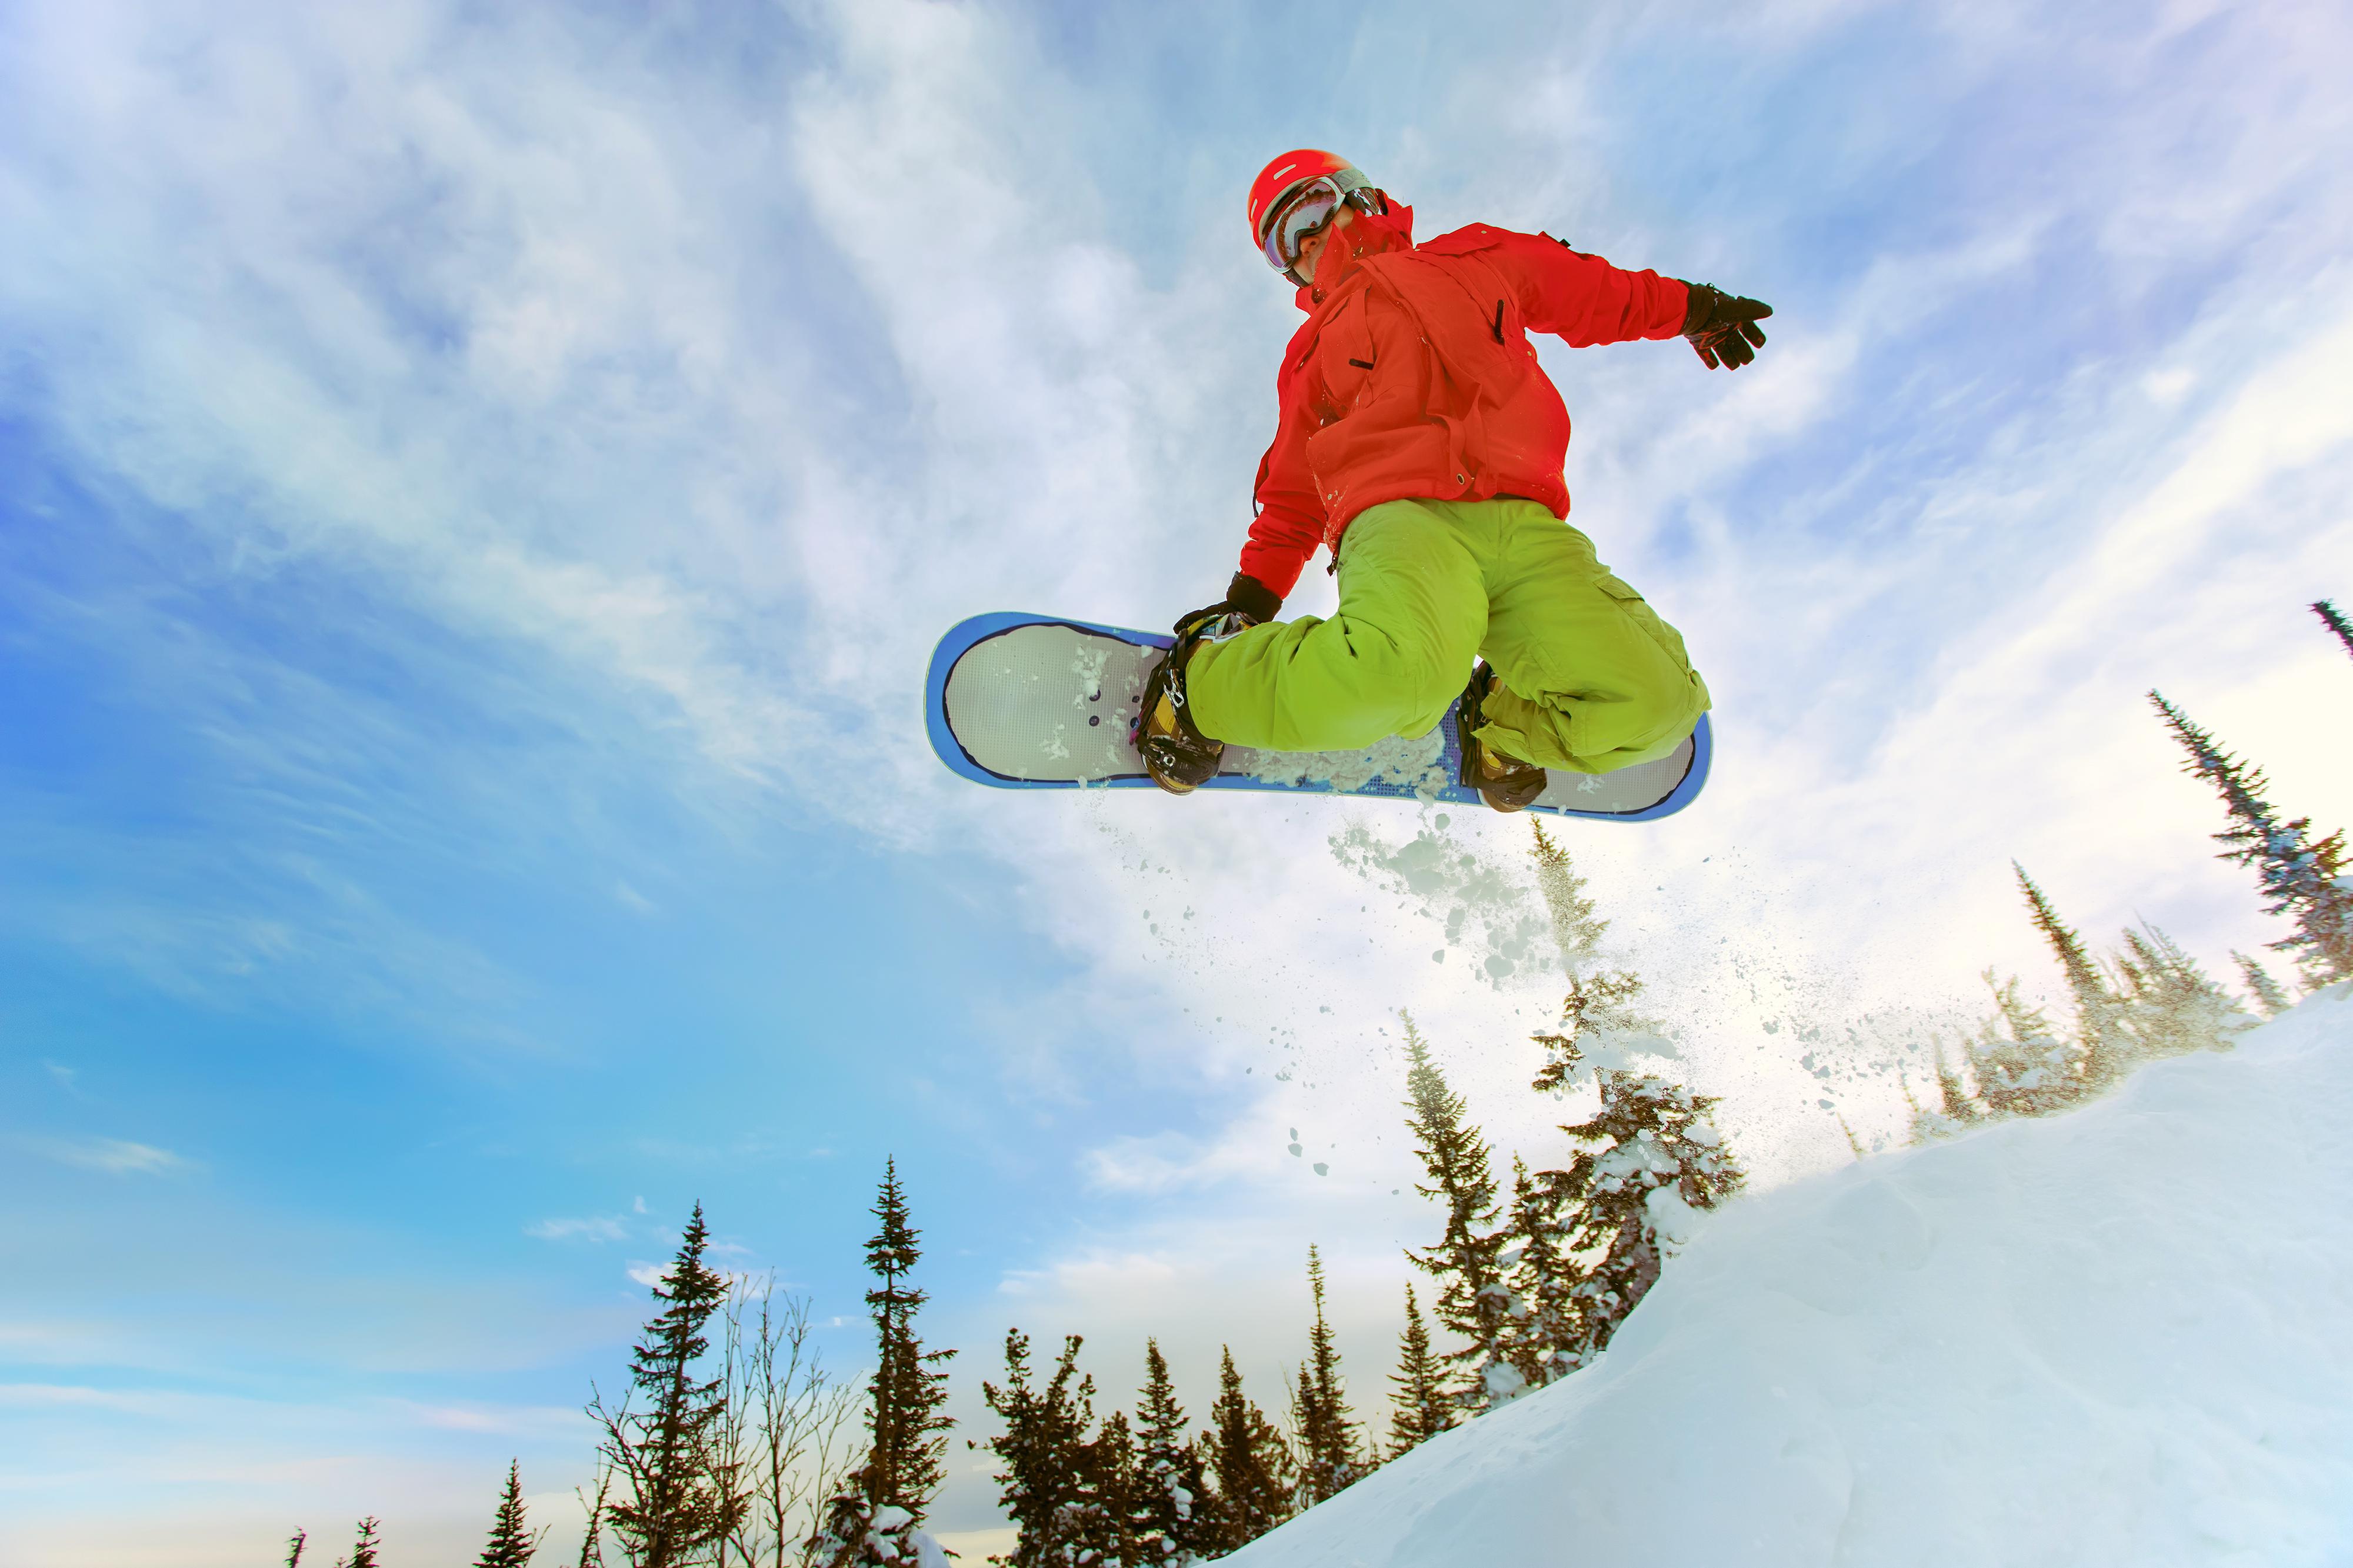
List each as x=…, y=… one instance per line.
x=905, y=1462
x=2101, y=1049
x=2268, y=994
x=1255, y=1473
x=1422, y=1404
x=511, y=1542
x=1575, y=929
x=2299, y=875
x=1323, y=1433
x=2333, y=622
x=1474, y=1300
x=678, y=1495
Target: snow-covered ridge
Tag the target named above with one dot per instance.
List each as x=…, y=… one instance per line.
x=2122, y=1335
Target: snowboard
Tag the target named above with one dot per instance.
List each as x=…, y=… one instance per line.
x=1020, y=701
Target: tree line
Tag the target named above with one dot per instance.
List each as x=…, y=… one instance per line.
x=748, y=1452
x=2149, y=998
x=732, y=1445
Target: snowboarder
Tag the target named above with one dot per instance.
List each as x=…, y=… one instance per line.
x=1420, y=442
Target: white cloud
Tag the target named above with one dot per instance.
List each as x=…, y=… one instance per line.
x=114, y=1157
x=594, y=1228
x=705, y=399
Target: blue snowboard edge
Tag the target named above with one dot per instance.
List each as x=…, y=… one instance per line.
x=961, y=638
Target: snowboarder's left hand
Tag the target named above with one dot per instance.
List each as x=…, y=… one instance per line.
x=1245, y=595
x=1722, y=327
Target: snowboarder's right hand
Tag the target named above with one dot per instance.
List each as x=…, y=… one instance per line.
x=1245, y=596
x=1722, y=327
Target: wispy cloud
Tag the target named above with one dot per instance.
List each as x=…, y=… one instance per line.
x=576, y=415
x=595, y=1228
x=114, y=1157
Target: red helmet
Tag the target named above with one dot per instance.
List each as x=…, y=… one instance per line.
x=1283, y=178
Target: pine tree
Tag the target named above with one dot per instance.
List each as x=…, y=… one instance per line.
x=886, y=1498
x=1046, y=1491
x=2102, y=1048
x=1253, y=1468
x=1544, y=1279
x=2298, y=874
x=1322, y=1432
x=1956, y=1109
x=1595, y=1004
x=1473, y=1299
x=2335, y=623
x=1423, y=1404
x=2169, y=1006
x=1573, y=930
x=364, y=1551
x=1650, y=1139
x=2028, y=1070
x=1952, y=1100
x=2267, y=992
x=511, y=1542
x=1110, y=1516
x=676, y=1499
x=294, y=1544
x=1172, y=1505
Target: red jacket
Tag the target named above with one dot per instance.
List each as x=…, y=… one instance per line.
x=1414, y=377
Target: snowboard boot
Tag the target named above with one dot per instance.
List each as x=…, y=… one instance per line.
x=1180, y=758
x=1504, y=783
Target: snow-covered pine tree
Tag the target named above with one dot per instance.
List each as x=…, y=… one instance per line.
x=512, y=1541
x=1322, y=1432
x=675, y=1496
x=2299, y=873
x=2333, y=622
x=1475, y=1299
x=1254, y=1466
x=1595, y=1004
x=2268, y=993
x=1574, y=929
x=2021, y=1067
x=1172, y=1489
x=2102, y=1046
x=1545, y=1278
x=2169, y=1006
x=881, y=1507
x=1422, y=1405
x=1047, y=1492
x=1649, y=1151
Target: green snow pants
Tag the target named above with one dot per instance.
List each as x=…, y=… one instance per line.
x=1591, y=678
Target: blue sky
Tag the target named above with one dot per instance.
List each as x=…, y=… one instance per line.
x=480, y=488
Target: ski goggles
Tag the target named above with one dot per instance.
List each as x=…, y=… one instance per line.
x=1305, y=208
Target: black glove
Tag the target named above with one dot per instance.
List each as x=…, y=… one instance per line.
x=1722, y=327
x=1245, y=596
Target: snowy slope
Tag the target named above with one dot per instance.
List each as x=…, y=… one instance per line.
x=2121, y=1336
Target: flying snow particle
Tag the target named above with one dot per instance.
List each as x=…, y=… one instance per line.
x=1321, y=1169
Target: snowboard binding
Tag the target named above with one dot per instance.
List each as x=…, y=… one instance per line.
x=1180, y=758
x=1505, y=784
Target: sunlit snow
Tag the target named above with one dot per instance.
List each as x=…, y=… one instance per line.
x=2113, y=1336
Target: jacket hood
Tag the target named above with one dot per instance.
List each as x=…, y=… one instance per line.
x=1373, y=234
